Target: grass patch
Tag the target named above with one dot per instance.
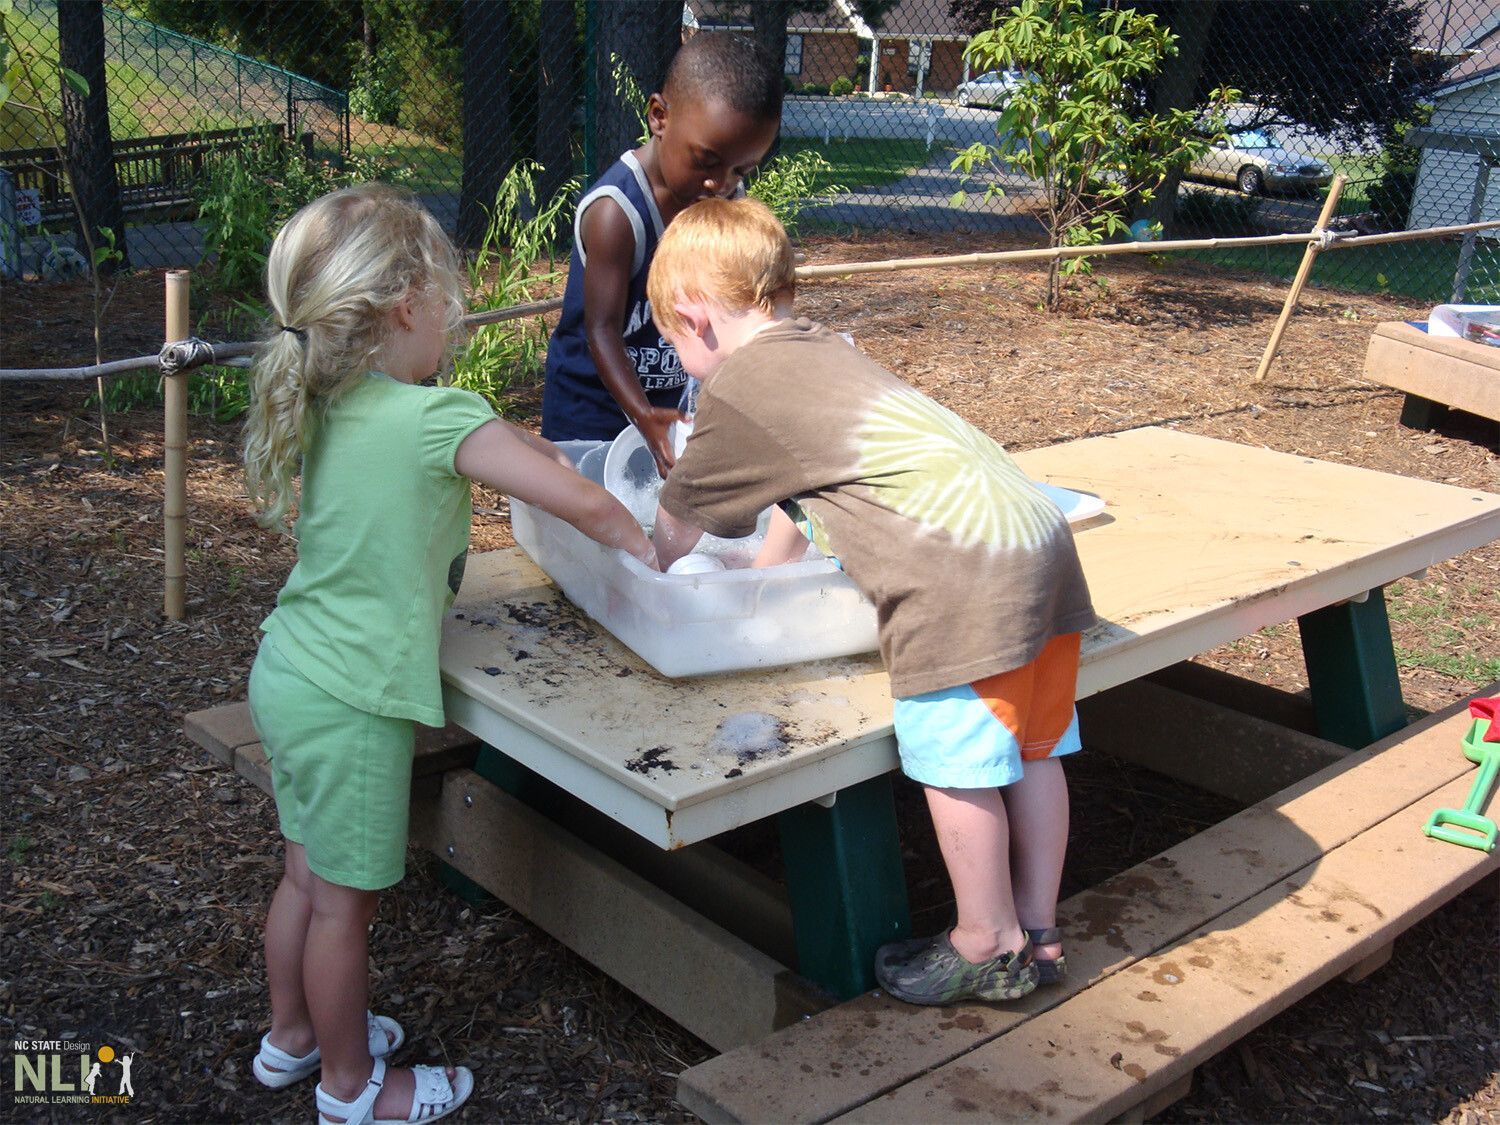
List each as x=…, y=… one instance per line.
x=857, y=164
x=435, y=168
x=1363, y=171
x=141, y=104
x=1421, y=270
x=1440, y=639
x=854, y=164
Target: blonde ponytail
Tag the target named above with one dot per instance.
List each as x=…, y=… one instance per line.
x=335, y=272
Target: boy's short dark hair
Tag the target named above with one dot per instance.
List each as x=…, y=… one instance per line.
x=728, y=68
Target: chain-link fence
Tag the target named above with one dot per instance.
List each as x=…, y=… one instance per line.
x=1402, y=97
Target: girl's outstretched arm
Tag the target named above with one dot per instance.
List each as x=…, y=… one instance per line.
x=531, y=469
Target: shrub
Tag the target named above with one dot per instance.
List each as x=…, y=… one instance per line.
x=245, y=196
x=1076, y=125
x=243, y=199
x=841, y=86
x=1216, y=212
x=376, y=93
x=503, y=272
x=814, y=88
x=788, y=186
x=1391, y=197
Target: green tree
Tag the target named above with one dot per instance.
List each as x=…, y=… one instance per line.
x=1079, y=124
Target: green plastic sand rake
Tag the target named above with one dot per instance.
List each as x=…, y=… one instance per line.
x=1467, y=827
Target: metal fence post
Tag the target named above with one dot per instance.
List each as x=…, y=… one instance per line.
x=590, y=95
x=1476, y=211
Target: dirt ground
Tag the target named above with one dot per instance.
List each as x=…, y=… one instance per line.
x=137, y=871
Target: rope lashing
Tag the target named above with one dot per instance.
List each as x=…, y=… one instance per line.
x=184, y=355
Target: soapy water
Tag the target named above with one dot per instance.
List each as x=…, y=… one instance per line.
x=750, y=736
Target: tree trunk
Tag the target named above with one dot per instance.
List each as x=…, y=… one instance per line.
x=1174, y=88
x=643, y=35
x=366, y=31
x=90, y=150
x=486, y=120
x=769, y=19
x=556, y=92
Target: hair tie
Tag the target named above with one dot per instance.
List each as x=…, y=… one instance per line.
x=300, y=333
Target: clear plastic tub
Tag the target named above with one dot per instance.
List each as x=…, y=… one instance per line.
x=699, y=624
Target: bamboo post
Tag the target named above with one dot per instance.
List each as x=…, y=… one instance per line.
x=1308, y=257
x=174, y=509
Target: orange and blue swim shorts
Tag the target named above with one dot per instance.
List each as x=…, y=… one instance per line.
x=978, y=735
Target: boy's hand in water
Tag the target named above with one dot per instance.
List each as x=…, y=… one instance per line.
x=655, y=426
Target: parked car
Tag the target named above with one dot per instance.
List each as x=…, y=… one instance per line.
x=1256, y=160
x=992, y=88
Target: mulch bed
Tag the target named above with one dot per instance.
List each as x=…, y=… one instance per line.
x=139, y=871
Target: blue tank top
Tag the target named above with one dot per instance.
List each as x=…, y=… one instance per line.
x=575, y=402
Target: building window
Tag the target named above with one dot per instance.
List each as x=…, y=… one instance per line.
x=793, y=63
x=918, y=56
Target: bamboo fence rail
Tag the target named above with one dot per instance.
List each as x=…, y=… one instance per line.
x=238, y=354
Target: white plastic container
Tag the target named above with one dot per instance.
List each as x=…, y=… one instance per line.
x=699, y=624
x=722, y=621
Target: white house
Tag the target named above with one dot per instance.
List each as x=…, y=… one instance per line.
x=1466, y=115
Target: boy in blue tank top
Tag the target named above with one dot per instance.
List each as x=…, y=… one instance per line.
x=714, y=120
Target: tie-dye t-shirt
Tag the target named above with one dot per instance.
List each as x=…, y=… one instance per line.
x=971, y=568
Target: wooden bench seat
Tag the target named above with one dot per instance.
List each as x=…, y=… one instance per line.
x=1436, y=372
x=1169, y=962
x=227, y=733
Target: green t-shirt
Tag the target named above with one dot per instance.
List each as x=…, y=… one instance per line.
x=382, y=535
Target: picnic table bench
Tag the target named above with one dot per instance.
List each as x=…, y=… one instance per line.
x=598, y=785
x=1169, y=963
x=1437, y=373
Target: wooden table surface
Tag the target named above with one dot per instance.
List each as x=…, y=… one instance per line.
x=1202, y=542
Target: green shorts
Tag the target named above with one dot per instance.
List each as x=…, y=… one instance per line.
x=342, y=776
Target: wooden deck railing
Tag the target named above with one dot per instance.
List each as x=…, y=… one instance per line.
x=152, y=170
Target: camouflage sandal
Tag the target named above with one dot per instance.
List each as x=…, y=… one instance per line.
x=935, y=973
x=1050, y=970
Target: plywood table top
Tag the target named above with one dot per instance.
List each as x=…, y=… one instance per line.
x=1202, y=542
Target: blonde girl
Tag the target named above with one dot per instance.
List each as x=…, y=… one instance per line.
x=366, y=294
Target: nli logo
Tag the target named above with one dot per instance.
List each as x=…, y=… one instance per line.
x=66, y=1072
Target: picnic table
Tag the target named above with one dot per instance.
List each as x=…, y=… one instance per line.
x=1203, y=542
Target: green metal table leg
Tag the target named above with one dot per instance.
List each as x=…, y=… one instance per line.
x=846, y=885
x=1351, y=669
x=464, y=887
x=503, y=771
x=1418, y=413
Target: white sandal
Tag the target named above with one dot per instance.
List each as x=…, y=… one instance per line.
x=277, y=1069
x=436, y=1095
